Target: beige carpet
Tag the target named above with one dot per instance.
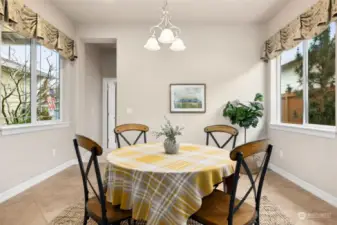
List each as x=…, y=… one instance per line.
x=270, y=215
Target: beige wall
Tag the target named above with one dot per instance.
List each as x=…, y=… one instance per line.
x=27, y=155
x=91, y=69
x=93, y=93
x=95, y=63
x=310, y=158
x=108, y=62
x=226, y=58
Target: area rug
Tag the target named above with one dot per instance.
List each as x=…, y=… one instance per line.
x=270, y=215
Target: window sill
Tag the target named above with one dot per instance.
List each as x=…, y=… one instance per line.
x=314, y=130
x=28, y=128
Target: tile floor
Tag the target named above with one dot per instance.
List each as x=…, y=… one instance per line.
x=41, y=203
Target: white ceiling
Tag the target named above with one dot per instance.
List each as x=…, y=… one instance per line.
x=206, y=11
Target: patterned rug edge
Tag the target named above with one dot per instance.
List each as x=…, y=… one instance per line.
x=270, y=215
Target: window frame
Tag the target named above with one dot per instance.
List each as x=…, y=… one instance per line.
x=276, y=123
x=35, y=124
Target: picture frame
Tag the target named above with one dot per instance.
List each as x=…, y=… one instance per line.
x=188, y=98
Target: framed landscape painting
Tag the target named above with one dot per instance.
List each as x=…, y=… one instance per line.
x=188, y=98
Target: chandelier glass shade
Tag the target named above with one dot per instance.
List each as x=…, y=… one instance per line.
x=152, y=44
x=178, y=45
x=168, y=34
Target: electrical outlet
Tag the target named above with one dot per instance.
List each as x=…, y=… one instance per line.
x=54, y=152
x=281, y=154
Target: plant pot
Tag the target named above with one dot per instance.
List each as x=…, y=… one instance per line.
x=171, y=146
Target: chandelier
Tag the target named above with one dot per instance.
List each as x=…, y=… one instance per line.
x=169, y=34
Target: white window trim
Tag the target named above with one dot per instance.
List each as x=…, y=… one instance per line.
x=308, y=129
x=28, y=128
x=275, y=109
x=33, y=82
x=35, y=125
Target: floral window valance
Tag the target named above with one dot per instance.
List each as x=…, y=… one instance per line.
x=308, y=25
x=29, y=24
x=2, y=9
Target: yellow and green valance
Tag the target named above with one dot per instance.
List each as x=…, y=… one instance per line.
x=26, y=22
x=2, y=9
x=333, y=10
x=306, y=26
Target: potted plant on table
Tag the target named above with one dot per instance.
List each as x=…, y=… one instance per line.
x=170, y=144
x=245, y=115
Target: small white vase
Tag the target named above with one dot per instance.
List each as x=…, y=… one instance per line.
x=171, y=146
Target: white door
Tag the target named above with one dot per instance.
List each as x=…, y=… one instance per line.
x=111, y=113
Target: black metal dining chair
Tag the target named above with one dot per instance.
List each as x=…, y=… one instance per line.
x=220, y=208
x=102, y=212
x=233, y=132
x=119, y=130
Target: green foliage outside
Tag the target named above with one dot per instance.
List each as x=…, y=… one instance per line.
x=19, y=80
x=43, y=114
x=321, y=74
x=245, y=116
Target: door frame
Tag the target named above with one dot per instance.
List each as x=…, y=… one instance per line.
x=105, y=109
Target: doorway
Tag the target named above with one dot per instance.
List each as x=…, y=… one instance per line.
x=109, y=112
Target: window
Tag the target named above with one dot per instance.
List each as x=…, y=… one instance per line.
x=48, y=84
x=307, y=81
x=15, y=79
x=291, y=86
x=321, y=78
x=30, y=81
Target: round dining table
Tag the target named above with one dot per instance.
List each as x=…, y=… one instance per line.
x=164, y=189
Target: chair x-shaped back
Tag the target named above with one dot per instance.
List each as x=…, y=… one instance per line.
x=96, y=207
x=119, y=130
x=233, y=132
x=95, y=150
x=239, y=154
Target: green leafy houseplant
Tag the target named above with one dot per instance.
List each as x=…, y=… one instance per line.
x=245, y=115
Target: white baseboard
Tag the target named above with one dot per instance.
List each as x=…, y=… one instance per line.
x=305, y=185
x=4, y=196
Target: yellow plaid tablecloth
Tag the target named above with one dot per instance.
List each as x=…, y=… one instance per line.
x=164, y=189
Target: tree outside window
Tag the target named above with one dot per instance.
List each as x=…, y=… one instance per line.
x=16, y=81
x=320, y=77
x=291, y=88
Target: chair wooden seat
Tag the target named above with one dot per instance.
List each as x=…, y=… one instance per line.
x=113, y=213
x=220, y=208
x=97, y=207
x=215, y=210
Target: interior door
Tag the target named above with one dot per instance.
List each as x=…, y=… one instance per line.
x=111, y=113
